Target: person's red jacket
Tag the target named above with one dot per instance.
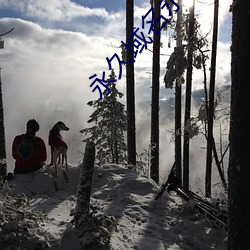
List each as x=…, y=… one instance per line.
x=37, y=159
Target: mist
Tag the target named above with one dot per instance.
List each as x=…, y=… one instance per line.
x=46, y=65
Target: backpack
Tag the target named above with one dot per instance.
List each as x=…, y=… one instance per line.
x=26, y=148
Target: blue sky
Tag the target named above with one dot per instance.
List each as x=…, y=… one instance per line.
x=57, y=45
x=109, y=5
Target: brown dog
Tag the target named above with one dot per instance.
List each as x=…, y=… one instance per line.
x=57, y=145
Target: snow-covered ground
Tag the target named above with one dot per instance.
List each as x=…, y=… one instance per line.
x=141, y=221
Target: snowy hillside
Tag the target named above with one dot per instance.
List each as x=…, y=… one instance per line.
x=141, y=221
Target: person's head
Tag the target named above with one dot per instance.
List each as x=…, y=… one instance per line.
x=32, y=125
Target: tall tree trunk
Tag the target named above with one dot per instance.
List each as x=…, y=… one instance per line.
x=239, y=159
x=130, y=82
x=188, y=97
x=178, y=101
x=154, y=168
x=3, y=161
x=211, y=102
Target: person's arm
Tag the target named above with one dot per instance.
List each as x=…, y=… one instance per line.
x=14, y=147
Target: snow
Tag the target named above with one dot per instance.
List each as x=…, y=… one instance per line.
x=142, y=222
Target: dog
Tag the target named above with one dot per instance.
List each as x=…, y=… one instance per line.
x=58, y=146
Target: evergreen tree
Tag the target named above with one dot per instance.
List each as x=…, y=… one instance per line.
x=110, y=120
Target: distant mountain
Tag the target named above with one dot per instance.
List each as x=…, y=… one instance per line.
x=167, y=106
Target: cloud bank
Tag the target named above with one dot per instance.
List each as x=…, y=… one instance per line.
x=56, y=47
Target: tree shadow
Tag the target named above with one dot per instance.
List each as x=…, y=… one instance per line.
x=167, y=223
x=181, y=228
x=123, y=191
x=39, y=188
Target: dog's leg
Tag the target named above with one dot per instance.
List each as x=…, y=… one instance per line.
x=63, y=157
x=66, y=161
x=55, y=158
x=56, y=170
x=59, y=159
x=51, y=155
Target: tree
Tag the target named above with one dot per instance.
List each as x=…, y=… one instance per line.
x=188, y=96
x=185, y=56
x=3, y=160
x=110, y=125
x=154, y=168
x=178, y=100
x=130, y=82
x=176, y=66
x=3, y=163
x=239, y=159
x=210, y=139
x=91, y=227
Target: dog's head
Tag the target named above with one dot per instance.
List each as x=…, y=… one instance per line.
x=61, y=126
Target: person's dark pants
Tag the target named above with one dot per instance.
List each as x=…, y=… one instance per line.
x=25, y=171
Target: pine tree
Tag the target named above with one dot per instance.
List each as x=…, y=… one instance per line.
x=110, y=120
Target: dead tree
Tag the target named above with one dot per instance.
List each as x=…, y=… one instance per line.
x=188, y=97
x=94, y=231
x=154, y=168
x=3, y=162
x=130, y=87
x=211, y=103
x=84, y=186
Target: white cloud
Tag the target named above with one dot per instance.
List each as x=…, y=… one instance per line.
x=45, y=71
x=53, y=10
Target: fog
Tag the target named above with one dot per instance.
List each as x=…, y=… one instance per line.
x=46, y=65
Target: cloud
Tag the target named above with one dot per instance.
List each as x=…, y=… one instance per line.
x=56, y=10
x=47, y=62
x=45, y=75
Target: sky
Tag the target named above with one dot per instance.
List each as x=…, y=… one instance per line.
x=56, y=45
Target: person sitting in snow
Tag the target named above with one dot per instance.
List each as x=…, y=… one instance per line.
x=29, y=150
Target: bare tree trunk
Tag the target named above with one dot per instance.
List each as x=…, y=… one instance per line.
x=3, y=161
x=211, y=102
x=154, y=168
x=93, y=231
x=130, y=82
x=81, y=215
x=188, y=98
x=239, y=159
x=178, y=157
